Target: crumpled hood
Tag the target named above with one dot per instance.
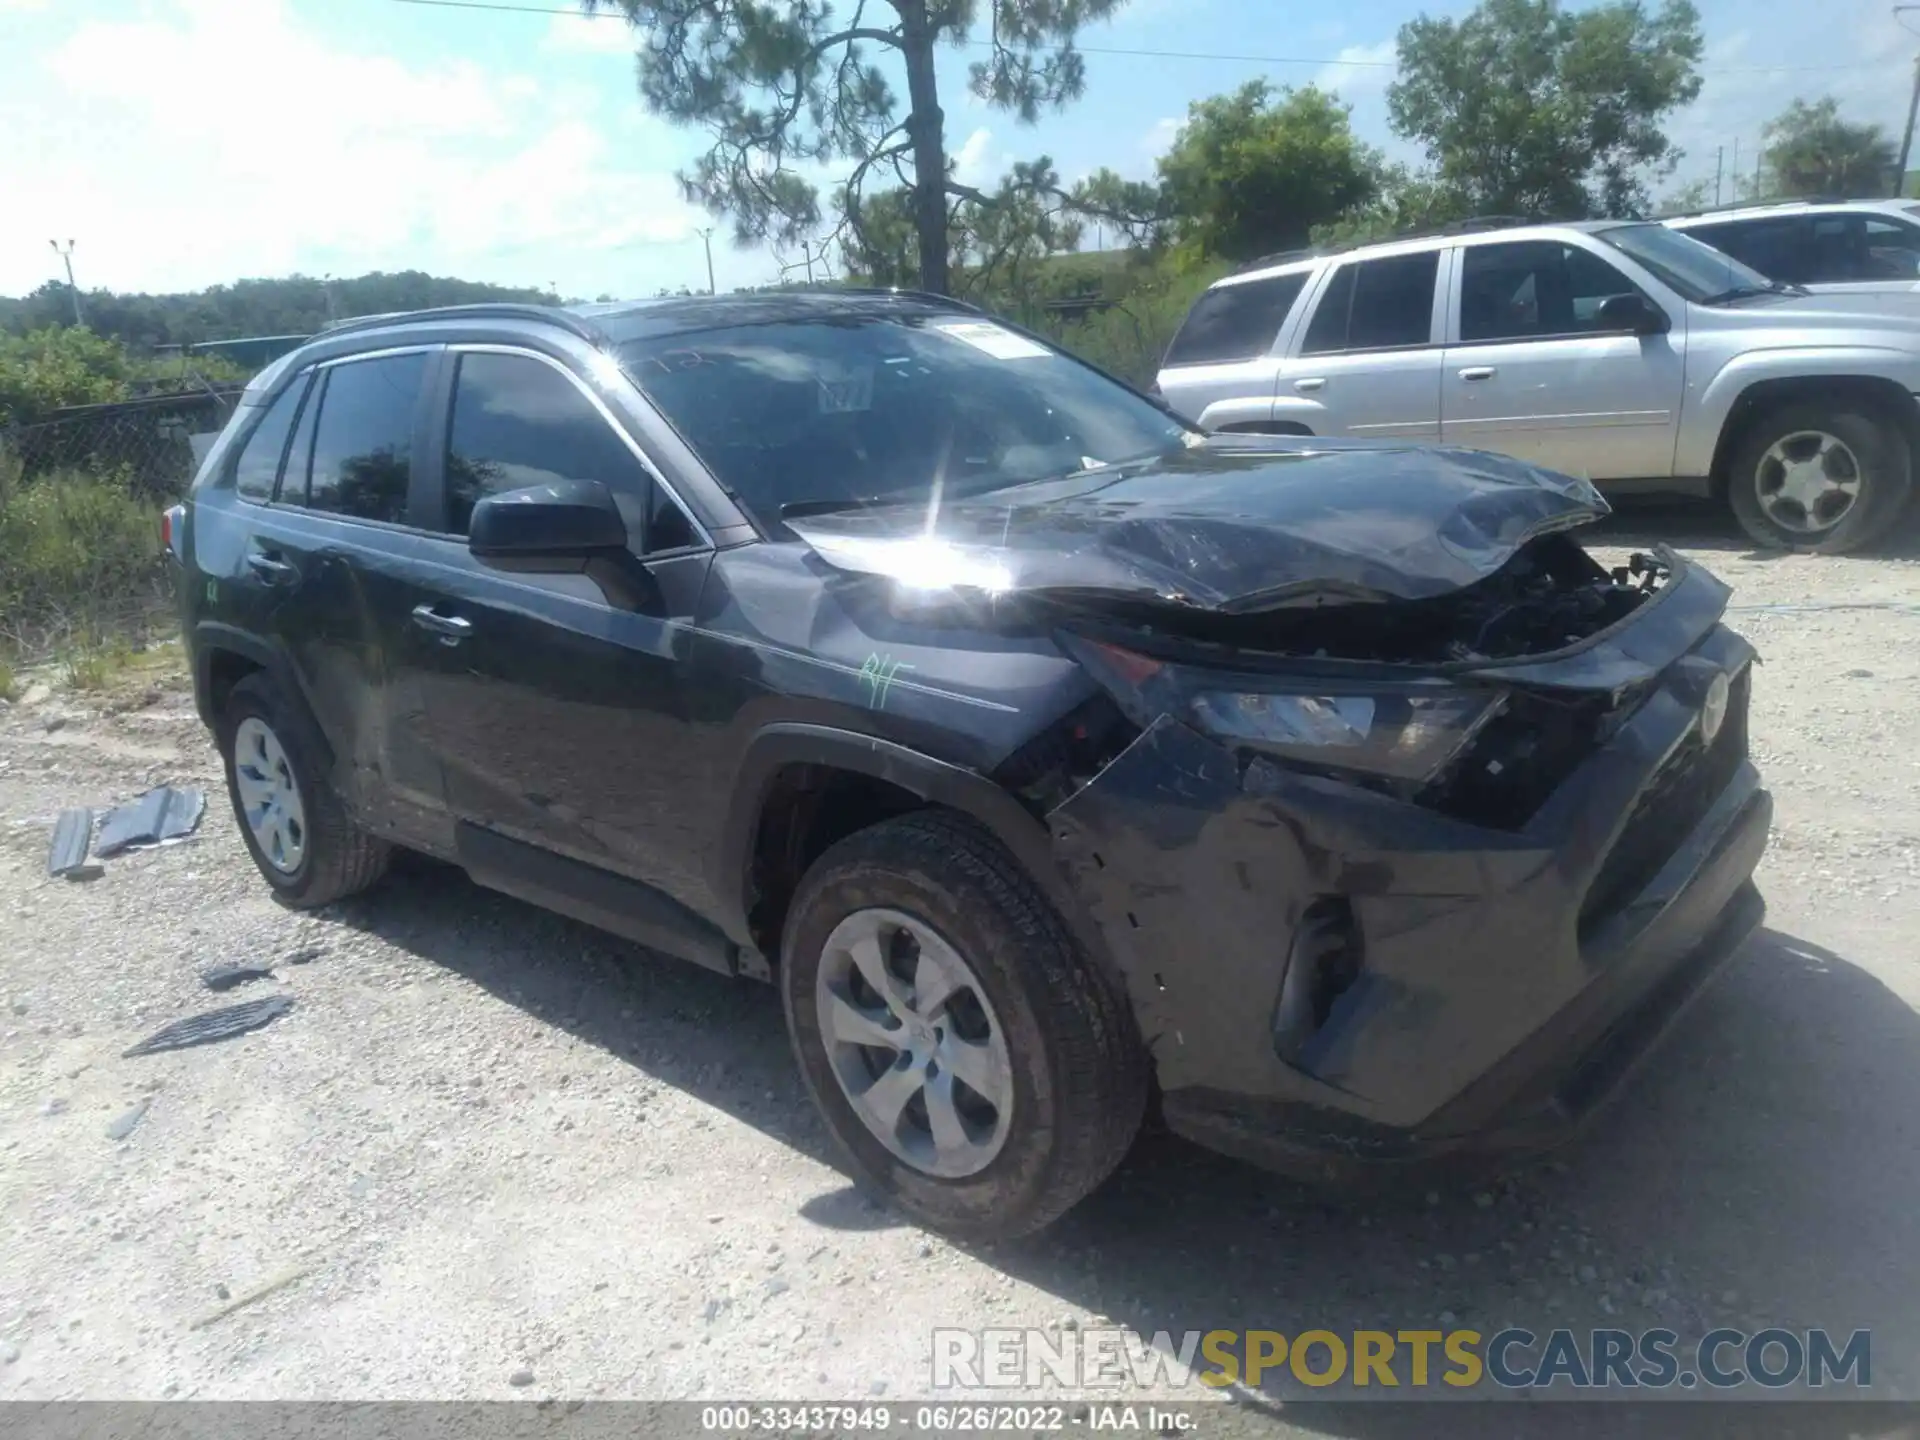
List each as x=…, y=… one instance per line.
x=1238, y=525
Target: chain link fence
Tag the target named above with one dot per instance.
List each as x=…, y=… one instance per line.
x=153, y=444
x=80, y=496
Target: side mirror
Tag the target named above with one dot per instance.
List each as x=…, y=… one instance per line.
x=1635, y=314
x=558, y=529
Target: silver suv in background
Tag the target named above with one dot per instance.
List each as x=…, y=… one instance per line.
x=1624, y=352
x=1829, y=245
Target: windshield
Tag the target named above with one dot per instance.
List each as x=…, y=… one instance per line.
x=814, y=413
x=1701, y=273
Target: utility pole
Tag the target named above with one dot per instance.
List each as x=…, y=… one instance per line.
x=1906, y=135
x=1733, y=170
x=79, y=316
x=1719, y=162
x=1913, y=107
x=706, y=239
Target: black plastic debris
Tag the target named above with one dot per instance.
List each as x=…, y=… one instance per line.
x=225, y=977
x=163, y=814
x=71, y=834
x=214, y=1025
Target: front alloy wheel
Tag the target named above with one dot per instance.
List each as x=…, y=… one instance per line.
x=914, y=1043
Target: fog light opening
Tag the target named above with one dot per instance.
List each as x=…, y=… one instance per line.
x=1322, y=965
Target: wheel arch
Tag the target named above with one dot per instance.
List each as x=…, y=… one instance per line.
x=1756, y=400
x=224, y=655
x=882, y=779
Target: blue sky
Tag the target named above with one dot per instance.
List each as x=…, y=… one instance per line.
x=183, y=143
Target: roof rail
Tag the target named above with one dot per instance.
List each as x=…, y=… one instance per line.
x=1771, y=200
x=1470, y=226
x=486, y=310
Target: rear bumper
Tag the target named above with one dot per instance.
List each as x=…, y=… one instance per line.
x=1508, y=980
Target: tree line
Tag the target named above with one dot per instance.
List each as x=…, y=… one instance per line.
x=290, y=305
x=1521, y=107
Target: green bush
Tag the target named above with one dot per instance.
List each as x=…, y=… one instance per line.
x=79, y=555
x=1130, y=338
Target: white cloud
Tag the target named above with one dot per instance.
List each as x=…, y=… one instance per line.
x=975, y=162
x=604, y=32
x=315, y=157
x=1157, y=141
x=1358, y=70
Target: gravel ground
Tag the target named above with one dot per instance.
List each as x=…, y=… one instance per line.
x=492, y=1153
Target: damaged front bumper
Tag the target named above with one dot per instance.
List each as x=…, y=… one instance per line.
x=1326, y=974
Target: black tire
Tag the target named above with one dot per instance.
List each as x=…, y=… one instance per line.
x=338, y=859
x=1080, y=1073
x=1885, y=464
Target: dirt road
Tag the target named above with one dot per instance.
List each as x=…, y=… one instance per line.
x=503, y=1155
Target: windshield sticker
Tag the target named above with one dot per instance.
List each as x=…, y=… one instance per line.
x=1000, y=343
x=848, y=393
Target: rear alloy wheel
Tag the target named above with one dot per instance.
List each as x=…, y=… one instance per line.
x=1820, y=479
x=296, y=828
x=975, y=1066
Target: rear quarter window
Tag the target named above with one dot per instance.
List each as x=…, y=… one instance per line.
x=258, y=464
x=1235, y=322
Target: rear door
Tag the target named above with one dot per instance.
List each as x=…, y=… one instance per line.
x=1367, y=363
x=1219, y=371
x=1535, y=373
x=558, y=711
x=332, y=558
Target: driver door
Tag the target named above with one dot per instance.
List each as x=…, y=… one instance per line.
x=559, y=715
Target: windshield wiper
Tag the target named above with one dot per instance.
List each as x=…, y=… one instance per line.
x=1748, y=292
x=793, y=509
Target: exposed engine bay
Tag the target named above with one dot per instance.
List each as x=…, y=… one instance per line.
x=1514, y=744
x=1551, y=594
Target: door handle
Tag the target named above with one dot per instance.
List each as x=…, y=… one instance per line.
x=1312, y=382
x=451, y=629
x=270, y=567
x=1477, y=372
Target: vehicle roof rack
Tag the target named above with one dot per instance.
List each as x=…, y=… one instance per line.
x=486, y=310
x=1472, y=225
x=1771, y=200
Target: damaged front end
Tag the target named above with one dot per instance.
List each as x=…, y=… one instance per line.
x=1390, y=879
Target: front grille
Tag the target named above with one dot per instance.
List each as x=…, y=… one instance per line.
x=1519, y=758
x=1674, y=802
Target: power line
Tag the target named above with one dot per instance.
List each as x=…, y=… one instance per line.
x=511, y=9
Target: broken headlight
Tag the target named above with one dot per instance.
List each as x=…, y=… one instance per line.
x=1400, y=730
x=1406, y=733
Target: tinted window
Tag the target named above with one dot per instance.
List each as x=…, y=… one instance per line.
x=1328, y=328
x=1235, y=322
x=519, y=422
x=1376, y=305
x=258, y=463
x=363, y=439
x=889, y=404
x=1860, y=247
x=1776, y=248
x=1535, y=288
x=1893, y=250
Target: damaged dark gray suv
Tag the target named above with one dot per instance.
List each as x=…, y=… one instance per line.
x=1053, y=759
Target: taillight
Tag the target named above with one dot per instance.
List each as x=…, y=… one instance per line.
x=166, y=529
x=172, y=526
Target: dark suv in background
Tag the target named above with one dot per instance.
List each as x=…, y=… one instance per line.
x=1045, y=752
